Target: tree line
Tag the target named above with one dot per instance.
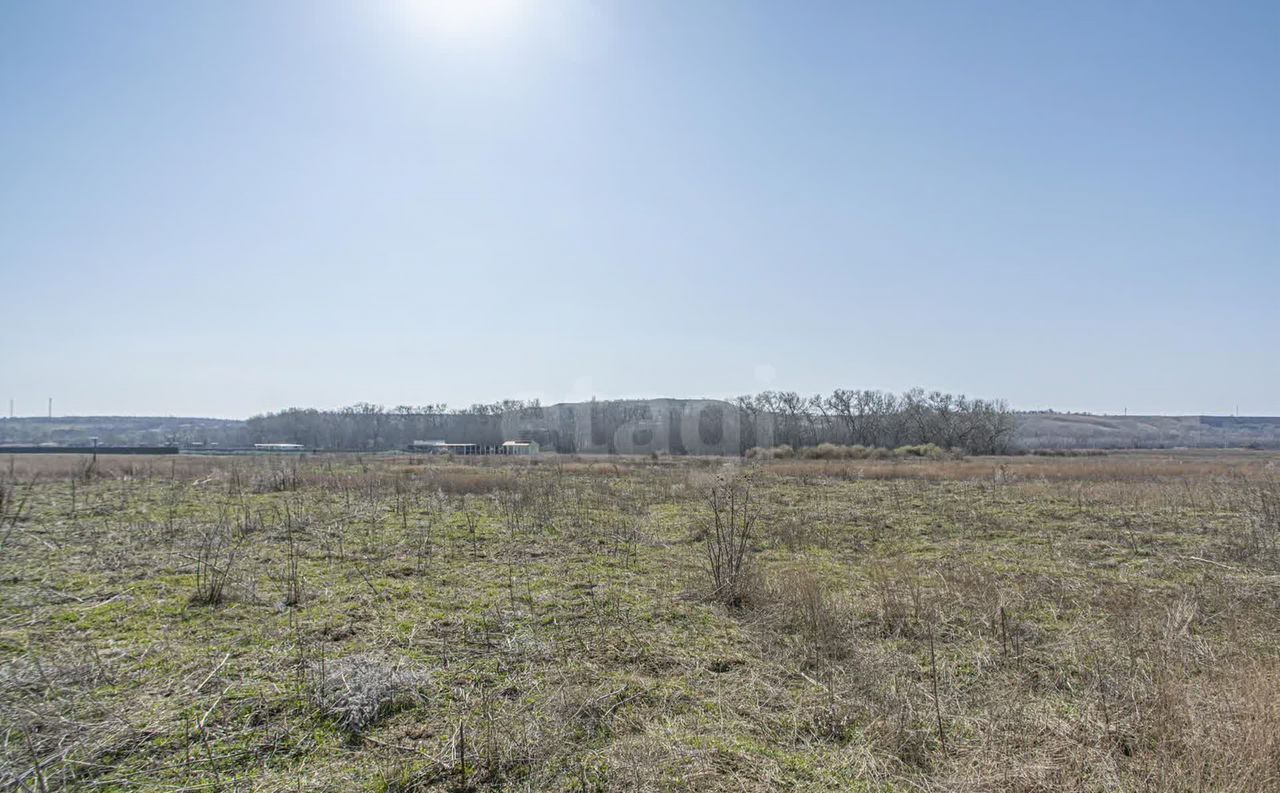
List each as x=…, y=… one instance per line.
x=878, y=419
x=845, y=417
x=366, y=426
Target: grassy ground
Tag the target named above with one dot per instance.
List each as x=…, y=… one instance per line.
x=338, y=623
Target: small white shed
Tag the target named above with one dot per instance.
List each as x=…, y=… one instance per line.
x=519, y=447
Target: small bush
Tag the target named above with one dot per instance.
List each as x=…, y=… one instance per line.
x=931, y=451
x=783, y=452
x=832, y=451
x=358, y=690
x=823, y=451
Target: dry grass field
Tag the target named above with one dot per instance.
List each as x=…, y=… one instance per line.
x=343, y=623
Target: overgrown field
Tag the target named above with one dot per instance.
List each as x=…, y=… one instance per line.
x=343, y=623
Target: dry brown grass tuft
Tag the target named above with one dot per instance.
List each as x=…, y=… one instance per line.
x=1116, y=467
x=466, y=480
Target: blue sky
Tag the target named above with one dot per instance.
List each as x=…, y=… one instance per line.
x=224, y=208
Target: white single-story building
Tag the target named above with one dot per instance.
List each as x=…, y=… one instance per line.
x=445, y=447
x=519, y=447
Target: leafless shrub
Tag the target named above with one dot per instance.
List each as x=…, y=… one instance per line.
x=217, y=551
x=421, y=538
x=278, y=478
x=1257, y=539
x=515, y=512
x=294, y=589
x=13, y=508
x=728, y=541
x=87, y=469
x=235, y=480
x=358, y=690
x=1266, y=517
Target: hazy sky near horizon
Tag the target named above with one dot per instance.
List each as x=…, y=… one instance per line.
x=222, y=208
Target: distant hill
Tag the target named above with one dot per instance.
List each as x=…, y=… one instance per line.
x=122, y=430
x=1076, y=431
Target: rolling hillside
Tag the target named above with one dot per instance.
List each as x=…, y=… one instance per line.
x=1072, y=431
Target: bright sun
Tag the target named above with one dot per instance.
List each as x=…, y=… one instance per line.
x=464, y=18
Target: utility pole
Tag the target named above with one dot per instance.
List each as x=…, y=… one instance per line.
x=10, y=408
x=50, y=407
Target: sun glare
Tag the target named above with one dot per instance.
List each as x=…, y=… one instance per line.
x=465, y=18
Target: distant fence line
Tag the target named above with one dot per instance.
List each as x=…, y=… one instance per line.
x=148, y=450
